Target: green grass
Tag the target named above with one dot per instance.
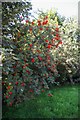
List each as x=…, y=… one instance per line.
x=63, y=104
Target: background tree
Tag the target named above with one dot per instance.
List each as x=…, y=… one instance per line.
x=68, y=53
x=12, y=15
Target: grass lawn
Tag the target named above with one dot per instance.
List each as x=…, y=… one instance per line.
x=63, y=104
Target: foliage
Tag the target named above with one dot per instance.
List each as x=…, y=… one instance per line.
x=36, y=54
x=11, y=16
x=68, y=54
x=30, y=67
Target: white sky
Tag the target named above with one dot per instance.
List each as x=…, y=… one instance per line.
x=68, y=8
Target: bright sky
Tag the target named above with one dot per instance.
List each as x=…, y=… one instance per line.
x=67, y=8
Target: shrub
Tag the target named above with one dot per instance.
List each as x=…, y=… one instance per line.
x=68, y=53
x=30, y=66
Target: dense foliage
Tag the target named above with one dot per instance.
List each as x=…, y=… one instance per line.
x=36, y=54
x=68, y=55
x=11, y=16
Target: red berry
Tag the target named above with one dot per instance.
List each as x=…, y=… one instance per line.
x=57, y=35
x=39, y=21
x=28, y=71
x=47, y=41
x=8, y=88
x=49, y=69
x=14, y=74
x=48, y=57
x=3, y=82
x=50, y=95
x=32, y=23
x=23, y=84
x=24, y=66
x=39, y=24
x=10, y=93
x=27, y=21
x=7, y=97
x=43, y=23
x=10, y=103
x=20, y=16
x=30, y=90
x=49, y=46
x=14, y=66
x=41, y=28
x=57, y=29
x=46, y=21
x=32, y=60
x=30, y=45
x=47, y=28
x=42, y=90
x=40, y=58
x=16, y=83
x=30, y=29
x=57, y=45
x=46, y=17
x=60, y=42
x=57, y=38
